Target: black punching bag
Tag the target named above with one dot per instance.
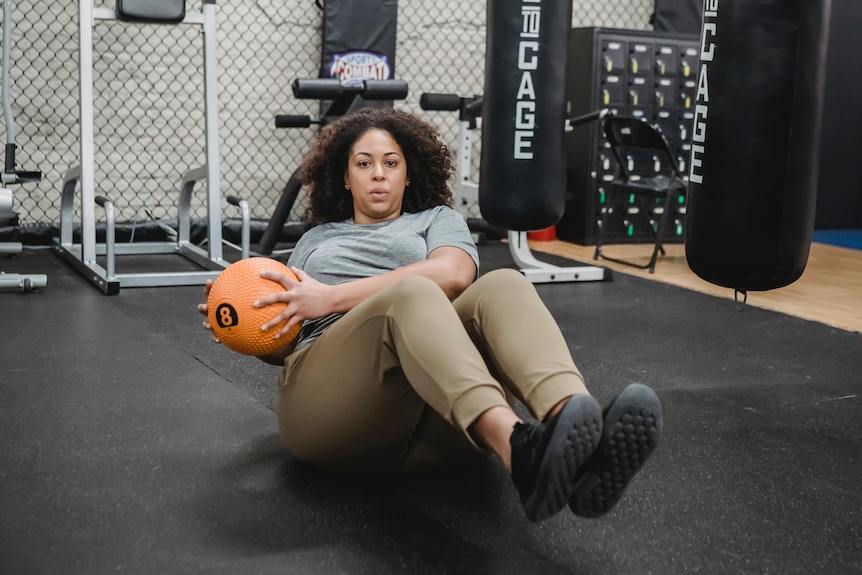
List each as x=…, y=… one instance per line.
x=523, y=172
x=755, y=141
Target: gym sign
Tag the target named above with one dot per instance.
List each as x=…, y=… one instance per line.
x=528, y=60
x=359, y=66
x=701, y=109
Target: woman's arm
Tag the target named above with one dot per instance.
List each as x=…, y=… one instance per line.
x=449, y=267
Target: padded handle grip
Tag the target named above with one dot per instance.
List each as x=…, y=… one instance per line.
x=442, y=102
x=292, y=121
x=317, y=88
x=332, y=88
x=384, y=90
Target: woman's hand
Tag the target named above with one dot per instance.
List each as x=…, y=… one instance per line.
x=276, y=358
x=306, y=298
x=203, y=309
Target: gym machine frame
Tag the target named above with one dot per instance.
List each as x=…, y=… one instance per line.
x=83, y=256
x=469, y=114
x=21, y=282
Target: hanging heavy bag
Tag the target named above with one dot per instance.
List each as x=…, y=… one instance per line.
x=755, y=141
x=523, y=172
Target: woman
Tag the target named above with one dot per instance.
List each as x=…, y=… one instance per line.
x=407, y=361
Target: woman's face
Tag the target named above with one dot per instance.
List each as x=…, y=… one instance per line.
x=376, y=176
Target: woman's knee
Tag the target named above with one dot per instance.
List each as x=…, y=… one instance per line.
x=415, y=289
x=505, y=282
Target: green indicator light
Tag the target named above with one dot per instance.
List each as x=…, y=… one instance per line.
x=601, y=196
x=632, y=199
x=631, y=230
x=679, y=229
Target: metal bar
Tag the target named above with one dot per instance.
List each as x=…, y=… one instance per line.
x=7, y=105
x=196, y=255
x=559, y=275
x=212, y=144
x=87, y=150
x=110, y=231
x=67, y=204
x=22, y=282
x=11, y=248
x=91, y=270
x=245, y=242
x=542, y=272
x=140, y=249
x=187, y=185
x=163, y=279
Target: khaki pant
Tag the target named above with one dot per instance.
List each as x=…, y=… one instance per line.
x=395, y=383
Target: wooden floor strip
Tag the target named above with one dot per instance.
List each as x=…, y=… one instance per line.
x=829, y=291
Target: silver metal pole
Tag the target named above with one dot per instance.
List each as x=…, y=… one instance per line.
x=88, y=148
x=214, y=234
x=7, y=39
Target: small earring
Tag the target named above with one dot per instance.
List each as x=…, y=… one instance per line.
x=408, y=183
x=346, y=187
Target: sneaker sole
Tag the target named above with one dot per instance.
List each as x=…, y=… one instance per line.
x=573, y=442
x=632, y=431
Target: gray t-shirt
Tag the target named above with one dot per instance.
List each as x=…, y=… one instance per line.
x=338, y=252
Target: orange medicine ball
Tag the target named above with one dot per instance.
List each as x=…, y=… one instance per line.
x=234, y=320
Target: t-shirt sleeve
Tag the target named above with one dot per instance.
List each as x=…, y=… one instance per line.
x=302, y=249
x=450, y=229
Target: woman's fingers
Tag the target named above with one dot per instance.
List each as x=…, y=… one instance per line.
x=276, y=320
x=284, y=279
x=286, y=282
x=288, y=327
x=203, y=309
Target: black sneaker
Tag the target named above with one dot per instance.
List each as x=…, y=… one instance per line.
x=546, y=456
x=632, y=430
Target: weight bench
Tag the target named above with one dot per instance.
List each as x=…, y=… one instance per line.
x=83, y=255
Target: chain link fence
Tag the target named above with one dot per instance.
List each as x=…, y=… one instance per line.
x=148, y=94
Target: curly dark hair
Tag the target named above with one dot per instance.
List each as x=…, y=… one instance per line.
x=429, y=163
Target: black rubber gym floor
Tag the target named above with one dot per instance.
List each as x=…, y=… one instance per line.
x=130, y=443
